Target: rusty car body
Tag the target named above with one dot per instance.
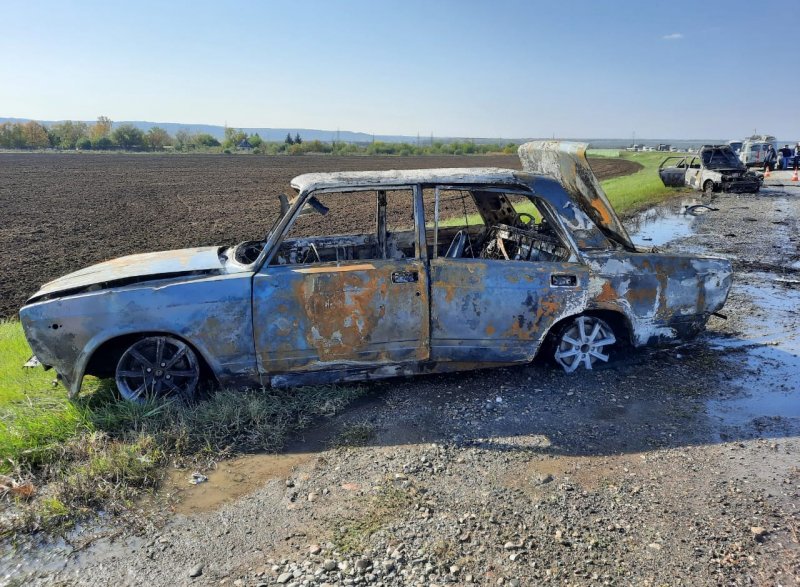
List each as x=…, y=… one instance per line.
x=715, y=168
x=545, y=263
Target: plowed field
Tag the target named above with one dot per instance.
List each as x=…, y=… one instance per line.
x=61, y=212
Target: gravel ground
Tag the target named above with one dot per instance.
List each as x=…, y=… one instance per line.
x=668, y=467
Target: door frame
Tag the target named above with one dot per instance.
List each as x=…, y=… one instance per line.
x=301, y=358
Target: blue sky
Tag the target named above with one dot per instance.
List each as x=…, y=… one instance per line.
x=681, y=69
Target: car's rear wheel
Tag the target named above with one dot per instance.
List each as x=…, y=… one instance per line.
x=708, y=187
x=582, y=342
x=158, y=367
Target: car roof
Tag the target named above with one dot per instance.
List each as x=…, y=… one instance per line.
x=395, y=177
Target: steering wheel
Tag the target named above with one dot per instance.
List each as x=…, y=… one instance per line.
x=525, y=223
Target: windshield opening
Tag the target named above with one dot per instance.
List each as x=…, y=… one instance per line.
x=720, y=159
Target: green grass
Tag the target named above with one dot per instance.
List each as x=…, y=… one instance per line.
x=630, y=193
x=99, y=453
x=35, y=416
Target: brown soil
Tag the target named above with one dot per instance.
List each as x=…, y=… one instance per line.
x=63, y=212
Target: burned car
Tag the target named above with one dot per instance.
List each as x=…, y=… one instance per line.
x=379, y=274
x=715, y=168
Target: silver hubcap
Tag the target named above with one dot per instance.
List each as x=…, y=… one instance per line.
x=583, y=343
x=157, y=366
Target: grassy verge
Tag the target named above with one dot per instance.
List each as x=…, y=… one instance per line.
x=62, y=460
x=630, y=193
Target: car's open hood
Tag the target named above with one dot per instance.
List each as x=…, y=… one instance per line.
x=566, y=162
x=134, y=267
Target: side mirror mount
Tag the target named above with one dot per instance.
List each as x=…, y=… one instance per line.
x=318, y=206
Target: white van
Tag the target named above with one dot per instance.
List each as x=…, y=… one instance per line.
x=754, y=151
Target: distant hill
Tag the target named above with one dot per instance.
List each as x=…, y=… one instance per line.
x=311, y=134
x=278, y=134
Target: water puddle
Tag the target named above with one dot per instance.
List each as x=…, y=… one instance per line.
x=230, y=480
x=771, y=384
x=662, y=224
x=767, y=396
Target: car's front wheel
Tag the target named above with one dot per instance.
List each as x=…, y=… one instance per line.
x=158, y=367
x=708, y=187
x=582, y=342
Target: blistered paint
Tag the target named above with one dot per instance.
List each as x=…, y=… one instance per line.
x=212, y=313
x=357, y=319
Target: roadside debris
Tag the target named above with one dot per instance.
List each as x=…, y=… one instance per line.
x=198, y=478
x=9, y=485
x=695, y=208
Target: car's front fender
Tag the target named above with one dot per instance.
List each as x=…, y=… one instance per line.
x=213, y=314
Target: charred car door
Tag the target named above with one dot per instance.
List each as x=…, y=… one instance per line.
x=495, y=300
x=694, y=175
x=673, y=171
x=343, y=303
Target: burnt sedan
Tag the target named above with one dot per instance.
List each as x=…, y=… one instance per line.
x=715, y=168
x=379, y=274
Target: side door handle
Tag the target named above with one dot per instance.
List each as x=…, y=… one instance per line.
x=405, y=277
x=563, y=280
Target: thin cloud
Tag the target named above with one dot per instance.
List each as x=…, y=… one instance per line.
x=673, y=37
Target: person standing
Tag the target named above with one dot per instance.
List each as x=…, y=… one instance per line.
x=786, y=155
x=796, y=155
x=769, y=158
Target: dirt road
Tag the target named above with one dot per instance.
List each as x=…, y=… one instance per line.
x=668, y=467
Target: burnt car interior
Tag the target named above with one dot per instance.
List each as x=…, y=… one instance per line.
x=503, y=226
x=479, y=223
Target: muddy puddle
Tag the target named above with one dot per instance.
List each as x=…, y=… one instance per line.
x=228, y=481
x=662, y=224
x=771, y=383
x=767, y=396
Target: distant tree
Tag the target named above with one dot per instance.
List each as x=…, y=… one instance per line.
x=12, y=136
x=233, y=136
x=289, y=140
x=128, y=137
x=297, y=139
x=65, y=135
x=158, y=138
x=255, y=141
x=204, y=139
x=83, y=143
x=100, y=129
x=35, y=135
x=103, y=144
x=182, y=139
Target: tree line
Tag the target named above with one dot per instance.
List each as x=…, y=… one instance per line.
x=101, y=136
